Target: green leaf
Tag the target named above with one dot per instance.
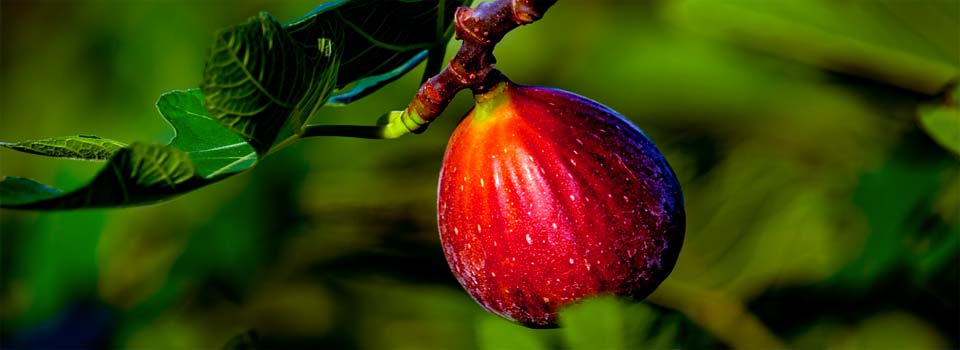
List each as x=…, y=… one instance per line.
x=214, y=150
x=263, y=79
x=258, y=78
x=434, y=55
x=82, y=147
x=379, y=36
x=140, y=173
x=17, y=191
x=202, y=152
x=261, y=82
x=368, y=85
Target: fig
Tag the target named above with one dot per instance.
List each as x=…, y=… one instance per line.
x=547, y=197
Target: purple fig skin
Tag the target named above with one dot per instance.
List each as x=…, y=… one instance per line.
x=546, y=198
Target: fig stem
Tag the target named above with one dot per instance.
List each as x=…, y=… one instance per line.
x=389, y=127
x=480, y=29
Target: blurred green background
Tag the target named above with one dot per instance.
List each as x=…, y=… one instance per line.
x=821, y=214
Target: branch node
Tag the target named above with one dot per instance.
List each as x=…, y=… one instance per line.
x=467, y=31
x=524, y=12
x=480, y=29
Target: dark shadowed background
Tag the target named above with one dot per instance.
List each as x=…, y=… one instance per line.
x=821, y=214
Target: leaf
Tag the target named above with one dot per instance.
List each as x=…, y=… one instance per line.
x=214, y=149
x=150, y=167
x=261, y=82
x=263, y=79
x=368, y=85
x=140, y=173
x=82, y=147
x=434, y=56
x=379, y=35
x=258, y=78
x=18, y=190
x=202, y=152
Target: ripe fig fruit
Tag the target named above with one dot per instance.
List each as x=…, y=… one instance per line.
x=547, y=197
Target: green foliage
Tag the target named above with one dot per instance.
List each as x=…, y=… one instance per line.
x=262, y=81
x=378, y=37
x=19, y=191
x=370, y=84
x=81, y=147
x=214, y=150
x=258, y=78
x=202, y=151
x=140, y=173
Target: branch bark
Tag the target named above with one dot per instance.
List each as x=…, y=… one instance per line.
x=480, y=29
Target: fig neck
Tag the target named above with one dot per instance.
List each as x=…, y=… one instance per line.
x=492, y=99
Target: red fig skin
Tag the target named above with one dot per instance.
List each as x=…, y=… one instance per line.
x=547, y=197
